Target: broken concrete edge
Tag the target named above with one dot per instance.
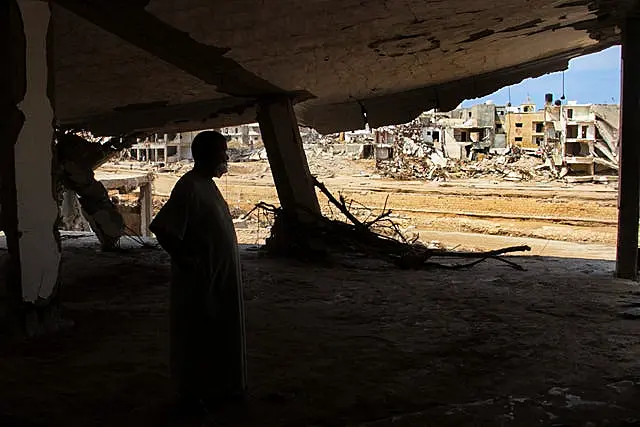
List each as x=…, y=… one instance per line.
x=402, y=107
x=394, y=108
x=211, y=114
x=127, y=182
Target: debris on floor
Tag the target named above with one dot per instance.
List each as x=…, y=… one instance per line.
x=374, y=237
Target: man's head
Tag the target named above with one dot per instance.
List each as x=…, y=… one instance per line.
x=209, y=150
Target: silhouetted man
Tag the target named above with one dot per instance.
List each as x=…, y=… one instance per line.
x=208, y=359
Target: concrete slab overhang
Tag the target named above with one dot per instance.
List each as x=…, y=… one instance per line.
x=124, y=66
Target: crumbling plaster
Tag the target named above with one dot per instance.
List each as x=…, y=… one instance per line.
x=386, y=60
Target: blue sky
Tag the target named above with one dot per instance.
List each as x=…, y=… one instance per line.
x=591, y=78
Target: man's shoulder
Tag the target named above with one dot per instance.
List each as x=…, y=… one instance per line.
x=182, y=189
x=184, y=182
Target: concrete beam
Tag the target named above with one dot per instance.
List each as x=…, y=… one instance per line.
x=132, y=23
x=29, y=200
x=281, y=137
x=629, y=156
x=220, y=112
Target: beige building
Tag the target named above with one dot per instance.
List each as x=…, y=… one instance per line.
x=524, y=126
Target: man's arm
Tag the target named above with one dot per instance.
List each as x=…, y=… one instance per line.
x=169, y=243
x=173, y=246
x=170, y=224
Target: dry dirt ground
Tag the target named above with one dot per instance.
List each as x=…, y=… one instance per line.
x=553, y=211
x=350, y=342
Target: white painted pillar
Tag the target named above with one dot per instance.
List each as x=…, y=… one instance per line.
x=146, y=208
x=37, y=208
x=30, y=209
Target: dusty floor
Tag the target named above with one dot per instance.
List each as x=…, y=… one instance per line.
x=348, y=343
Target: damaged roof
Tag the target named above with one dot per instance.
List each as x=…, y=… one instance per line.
x=167, y=65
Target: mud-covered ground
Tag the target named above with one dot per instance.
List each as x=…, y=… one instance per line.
x=350, y=342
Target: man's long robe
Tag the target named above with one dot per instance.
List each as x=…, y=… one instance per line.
x=208, y=355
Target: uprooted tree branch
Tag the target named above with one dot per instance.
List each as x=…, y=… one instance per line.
x=317, y=235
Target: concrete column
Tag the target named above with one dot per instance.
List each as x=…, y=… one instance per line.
x=29, y=202
x=146, y=208
x=281, y=137
x=245, y=134
x=629, y=155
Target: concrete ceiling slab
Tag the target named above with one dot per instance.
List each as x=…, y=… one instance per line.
x=348, y=62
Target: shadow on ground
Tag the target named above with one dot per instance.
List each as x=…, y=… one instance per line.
x=353, y=342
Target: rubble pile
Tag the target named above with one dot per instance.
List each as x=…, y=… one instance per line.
x=311, y=136
x=181, y=167
x=513, y=166
x=412, y=131
x=247, y=154
x=328, y=160
x=413, y=160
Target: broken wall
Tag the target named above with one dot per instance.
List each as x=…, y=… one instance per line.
x=608, y=126
x=609, y=113
x=578, y=113
x=485, y=115
x=500, y=140
x=451, y=147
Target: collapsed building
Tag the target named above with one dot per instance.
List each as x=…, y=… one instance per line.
x=164, y=148
x=176, y=147
x=582, y=138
